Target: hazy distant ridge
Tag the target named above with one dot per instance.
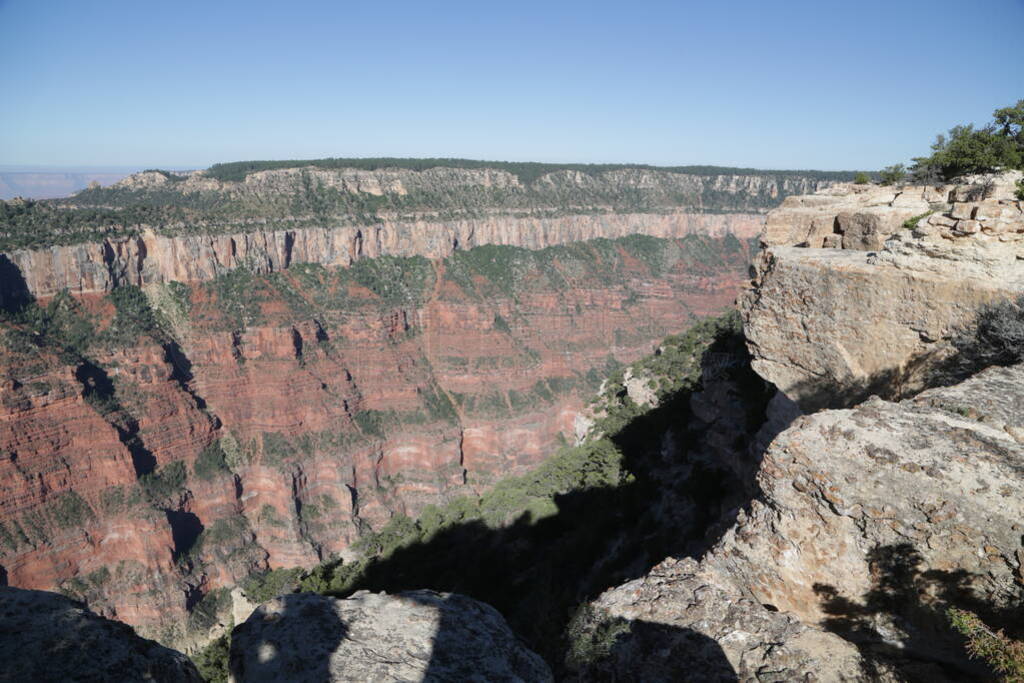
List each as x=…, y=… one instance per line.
x=52, y=184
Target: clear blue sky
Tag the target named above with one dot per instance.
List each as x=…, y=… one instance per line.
x=784, y=84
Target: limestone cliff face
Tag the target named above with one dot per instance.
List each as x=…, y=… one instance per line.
x=877, y=308
x=155, y=227
x=870, y=523
x=152, y=258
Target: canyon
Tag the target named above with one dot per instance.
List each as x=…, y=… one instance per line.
x=725, y=510
x=182, y=410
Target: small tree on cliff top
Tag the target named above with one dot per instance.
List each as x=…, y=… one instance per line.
x=966, y=149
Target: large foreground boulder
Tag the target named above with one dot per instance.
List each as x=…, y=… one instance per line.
x=47, y=637
x=872, y=522
x=411, y=636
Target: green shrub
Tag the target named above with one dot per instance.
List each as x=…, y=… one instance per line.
x=134, y=317
x=1019, y=192
x=893, y=175
x=1005, y=656
x=207, y=612
x=61, y=326
x=266, y=585
x=591, y=635
x=211, y=462
x=165, y=481
x=912, y=222
x=998, y=335
x=501, y=324
x=370, y=422
x=276, y=449
x=68, y=510
x=997, y=145
x=861, y=178
x=212, y=660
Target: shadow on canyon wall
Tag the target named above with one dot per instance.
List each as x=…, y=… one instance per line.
x=14, y=292
x=688, y=480
x=901, y=620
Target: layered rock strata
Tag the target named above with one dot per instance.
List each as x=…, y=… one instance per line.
x=151, y=258
x=274, y=418
x=831, y=325
x=156, y=227
x=411, y=636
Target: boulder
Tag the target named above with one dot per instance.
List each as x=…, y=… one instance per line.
x=411, y=636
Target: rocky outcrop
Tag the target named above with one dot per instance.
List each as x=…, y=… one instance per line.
x=152, y=258
x=829, y=326
x=685, y=621
x=47, y=637
x=411, y=636
x=829, y=551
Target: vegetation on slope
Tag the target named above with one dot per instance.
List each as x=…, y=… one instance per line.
x=526, y=171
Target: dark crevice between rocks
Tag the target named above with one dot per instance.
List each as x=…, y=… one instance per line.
x=185, y=530
x=181, y=372
x=289, y=245
x=236, y=347
x=98, y=391
x=297, y=345
x=321, y=333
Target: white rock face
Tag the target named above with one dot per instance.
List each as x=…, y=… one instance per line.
x=411, y=636
x=831, y=326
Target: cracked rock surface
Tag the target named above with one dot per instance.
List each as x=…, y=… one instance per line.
x=871, y=522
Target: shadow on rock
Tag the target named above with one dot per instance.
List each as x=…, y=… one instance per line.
x=621, y=650
x=413, y=636
x=290, y=638
x=901, y=621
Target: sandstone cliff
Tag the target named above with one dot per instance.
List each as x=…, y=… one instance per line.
x=879, y=306
x=150, y=258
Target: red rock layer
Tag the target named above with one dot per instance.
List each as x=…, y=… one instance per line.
x=320, y=409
